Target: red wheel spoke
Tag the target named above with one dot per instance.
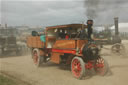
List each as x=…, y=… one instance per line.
x=101, y=67
x=35, y=57
x=76, y=67
x=79, y=68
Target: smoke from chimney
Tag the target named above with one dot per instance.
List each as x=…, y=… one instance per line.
x=103, y=10
x=92, y=7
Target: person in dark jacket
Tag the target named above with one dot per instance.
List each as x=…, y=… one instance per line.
x=83, y=34
x=90, y=30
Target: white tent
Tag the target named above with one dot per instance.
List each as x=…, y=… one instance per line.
x=123, y=27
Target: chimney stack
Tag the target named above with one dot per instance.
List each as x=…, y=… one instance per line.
x=116, y=26
x=6, y=25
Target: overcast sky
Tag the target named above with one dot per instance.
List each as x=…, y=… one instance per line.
x=56, y=12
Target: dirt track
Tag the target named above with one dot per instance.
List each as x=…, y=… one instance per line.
x=51, y=74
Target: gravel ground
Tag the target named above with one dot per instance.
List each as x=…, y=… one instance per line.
x=22, y=68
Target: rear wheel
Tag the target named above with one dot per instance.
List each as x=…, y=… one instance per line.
x=101, y=67
x=78, y=67
x=37, y=57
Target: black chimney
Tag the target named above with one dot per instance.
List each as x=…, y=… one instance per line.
x=6, y=25
x=116, y=26
x=117, y=38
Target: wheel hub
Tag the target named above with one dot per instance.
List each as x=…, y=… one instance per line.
x=76, y=67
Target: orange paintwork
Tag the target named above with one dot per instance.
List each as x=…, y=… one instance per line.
x=34, y=42
x=59, y=46
x=80, y=43
x=64, y=44
x=66, y=26
x=55, y=58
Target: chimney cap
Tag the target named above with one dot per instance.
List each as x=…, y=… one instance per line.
x=90, y=21
x=115, y=17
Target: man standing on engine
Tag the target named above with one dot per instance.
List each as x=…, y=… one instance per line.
x=89, y=27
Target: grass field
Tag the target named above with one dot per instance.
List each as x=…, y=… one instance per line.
x=6, y=81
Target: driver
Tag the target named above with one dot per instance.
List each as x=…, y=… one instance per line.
x=83, y=33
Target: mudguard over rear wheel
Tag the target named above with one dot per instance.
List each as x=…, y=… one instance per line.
x=78, y=67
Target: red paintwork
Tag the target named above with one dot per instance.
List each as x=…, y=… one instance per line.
x=89, y=65
x=35, y=57
x=64, y=51
x=76, y=68
x=100, y=65
x=66, y=37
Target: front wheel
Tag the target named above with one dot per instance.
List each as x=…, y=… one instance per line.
x=101, y=67
x=78, y=67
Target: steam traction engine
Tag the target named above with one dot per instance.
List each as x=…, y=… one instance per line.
x=117, y=46
x=81, y=53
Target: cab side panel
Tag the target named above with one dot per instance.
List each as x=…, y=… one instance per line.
x=34, y=42
x=80, y=43
x=55, y=58
x=65, y=44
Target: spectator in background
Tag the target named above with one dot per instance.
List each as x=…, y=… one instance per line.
x=83, y=34
x=66, y=35
x=42, y=37
x=61, y=34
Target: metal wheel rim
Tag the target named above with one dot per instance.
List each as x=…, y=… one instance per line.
x=101, y=70
x=76, y=68
x=35, y=58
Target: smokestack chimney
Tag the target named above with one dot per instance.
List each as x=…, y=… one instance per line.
x=116, y=26
x=6, y=25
